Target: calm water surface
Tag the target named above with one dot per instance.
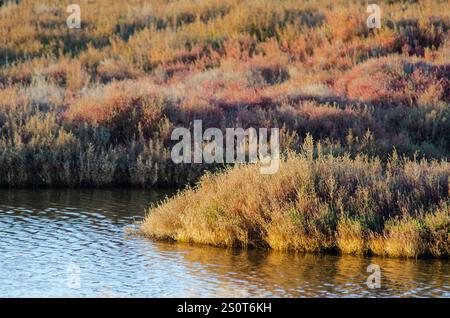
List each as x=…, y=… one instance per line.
x=70, y=243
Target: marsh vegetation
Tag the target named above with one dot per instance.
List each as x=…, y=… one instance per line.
x=95, y=107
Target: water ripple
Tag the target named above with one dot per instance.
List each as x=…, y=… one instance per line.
x=67, y=243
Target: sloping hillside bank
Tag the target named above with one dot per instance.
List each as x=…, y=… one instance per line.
x=315, y=203
x=95, y=106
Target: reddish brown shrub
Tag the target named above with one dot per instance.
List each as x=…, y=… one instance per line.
x=125, y=115
x=394, y=81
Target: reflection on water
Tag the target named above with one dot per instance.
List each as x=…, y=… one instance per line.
x=72, y=243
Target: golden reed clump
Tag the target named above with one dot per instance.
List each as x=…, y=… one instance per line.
x=316, y=202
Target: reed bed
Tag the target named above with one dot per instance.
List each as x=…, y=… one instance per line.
x=317, y=202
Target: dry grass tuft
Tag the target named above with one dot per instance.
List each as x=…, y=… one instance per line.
x=316, y=202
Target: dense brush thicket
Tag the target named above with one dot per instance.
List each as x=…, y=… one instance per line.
x=96, y=106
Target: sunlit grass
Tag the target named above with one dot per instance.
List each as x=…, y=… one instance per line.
x=315, y=203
